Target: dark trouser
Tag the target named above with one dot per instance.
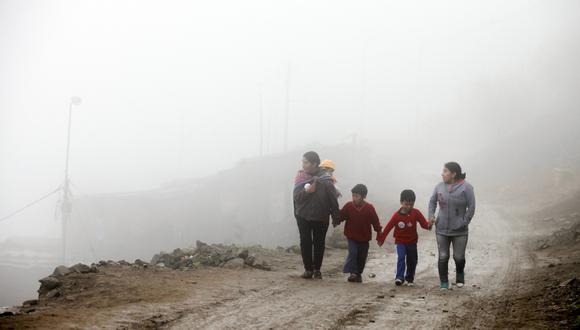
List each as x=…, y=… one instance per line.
x=312, y=233
x=459, y=244
x=406, y=259
x=357, y=257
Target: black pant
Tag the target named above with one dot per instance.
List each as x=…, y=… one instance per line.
x=312, y=233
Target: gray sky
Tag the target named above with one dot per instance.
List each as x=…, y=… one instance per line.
x=171, y=89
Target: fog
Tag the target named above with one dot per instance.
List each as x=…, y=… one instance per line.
x=185, y=102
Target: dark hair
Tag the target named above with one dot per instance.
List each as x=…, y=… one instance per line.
x=312, y=157
x=360, y=189
x=453, y=167
x=408, y=195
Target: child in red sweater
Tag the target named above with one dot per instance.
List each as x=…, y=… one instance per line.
x=360, y=217
x=405, y=223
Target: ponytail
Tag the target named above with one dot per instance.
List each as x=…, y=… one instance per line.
x=454, y=167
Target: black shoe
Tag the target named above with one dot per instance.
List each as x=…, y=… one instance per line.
x=307, y=274
x=358, y=278
x=352, y=278
x=317, y=275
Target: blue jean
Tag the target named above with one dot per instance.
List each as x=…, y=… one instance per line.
x=357, y=257
x=406, y=258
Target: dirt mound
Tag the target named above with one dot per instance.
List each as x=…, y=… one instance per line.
x=567, y=236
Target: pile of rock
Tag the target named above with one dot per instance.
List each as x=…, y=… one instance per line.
x=215, y=255
x=50, y=286
x=337, y=239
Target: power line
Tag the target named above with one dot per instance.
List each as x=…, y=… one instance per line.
x=30, y=204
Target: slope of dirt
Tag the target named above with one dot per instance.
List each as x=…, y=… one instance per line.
x=503, y=271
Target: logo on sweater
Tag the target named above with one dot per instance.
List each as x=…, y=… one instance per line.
x=409, y=224
x=401, y=224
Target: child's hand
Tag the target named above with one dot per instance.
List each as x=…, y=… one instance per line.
x=310, y=188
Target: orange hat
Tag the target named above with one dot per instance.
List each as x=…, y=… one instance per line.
x=328, y=164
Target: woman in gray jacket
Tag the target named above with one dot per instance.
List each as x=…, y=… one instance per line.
x=456, y=202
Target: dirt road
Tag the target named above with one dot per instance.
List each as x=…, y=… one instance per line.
x=217, y=298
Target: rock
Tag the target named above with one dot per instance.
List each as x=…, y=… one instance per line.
x=260, y=263
x=32, y=302
x=124, y=263
x=235, y=263
x=81, y=268
x=141, y=263
x=6, y=314
x=293, y=249
x=372, y=275
x=48, y=283
x=250, y=259
x=567, y=282
x=52, y=293
x=61, y=271
x=200, y=245
x=337, y=239
x=244, y=254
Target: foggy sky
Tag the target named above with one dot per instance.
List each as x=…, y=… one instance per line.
x=172, y=89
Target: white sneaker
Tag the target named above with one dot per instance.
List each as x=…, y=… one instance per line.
x=398, y=282
x=460, y=285
x=409, y=284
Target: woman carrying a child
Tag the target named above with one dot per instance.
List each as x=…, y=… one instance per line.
x=315, y=199
x=456, y=201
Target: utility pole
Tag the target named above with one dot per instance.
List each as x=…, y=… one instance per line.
x=66, y=206
x=261, y=105
x=287, y=109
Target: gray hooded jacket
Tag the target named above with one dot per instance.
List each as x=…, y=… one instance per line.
x=456, y=208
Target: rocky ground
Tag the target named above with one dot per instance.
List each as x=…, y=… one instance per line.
x=522, y=272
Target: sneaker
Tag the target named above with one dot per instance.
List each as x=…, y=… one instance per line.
x=409, y=284
x=317, y=275
x=352, y=278
x=307, y=274
x=358, y=278
x=460, y=281
x=398, y=282
x=444, y=285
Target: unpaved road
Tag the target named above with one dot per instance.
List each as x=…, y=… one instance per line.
x=234, y=299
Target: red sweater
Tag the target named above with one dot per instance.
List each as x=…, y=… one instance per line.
x=359, y=220
x=405, y=227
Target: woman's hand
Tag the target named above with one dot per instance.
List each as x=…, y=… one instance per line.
x=432, y=221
